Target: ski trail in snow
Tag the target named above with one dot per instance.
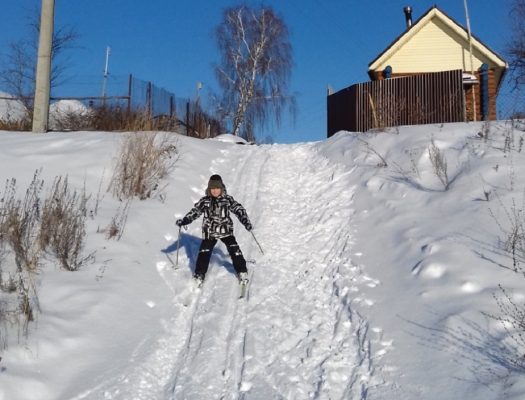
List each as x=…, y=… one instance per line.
x=216, y=361
x=152, y=368
x=245, y=184
x=298, y=335
x=301, y=337
x=279, y=346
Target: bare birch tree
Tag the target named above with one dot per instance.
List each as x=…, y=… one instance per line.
x=516, y=48
x=18, y=69
x=255, y=68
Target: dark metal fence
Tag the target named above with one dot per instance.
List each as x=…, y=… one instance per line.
x=419, y=99
x=130, y=94
x=134, y=94
x=511, y=102
x=149, y=97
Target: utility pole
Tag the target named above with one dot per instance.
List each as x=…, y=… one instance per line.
x=106, y=73
x=43, y=68
x=474, y=117
x=199, y=87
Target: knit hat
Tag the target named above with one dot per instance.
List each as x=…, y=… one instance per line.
x=215, y=182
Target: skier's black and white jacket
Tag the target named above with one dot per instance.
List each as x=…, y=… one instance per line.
x=217, y=222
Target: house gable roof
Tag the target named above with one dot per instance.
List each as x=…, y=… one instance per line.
x=454, y=29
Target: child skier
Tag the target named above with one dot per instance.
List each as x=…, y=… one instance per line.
x=217, y=224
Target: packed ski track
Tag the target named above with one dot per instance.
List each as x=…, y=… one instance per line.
x=298, y=333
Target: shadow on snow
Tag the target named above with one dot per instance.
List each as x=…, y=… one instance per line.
x=190, y=245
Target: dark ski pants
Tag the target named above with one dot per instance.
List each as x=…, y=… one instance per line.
x=207, y=245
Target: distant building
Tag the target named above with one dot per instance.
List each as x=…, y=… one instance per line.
x=431, y=49
x=436, y=42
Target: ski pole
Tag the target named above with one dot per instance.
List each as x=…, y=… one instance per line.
x=178, y=247
x=256, y=241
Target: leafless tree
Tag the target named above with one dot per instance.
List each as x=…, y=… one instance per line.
x=255, y=68
x=516, y=48
x=18, y=69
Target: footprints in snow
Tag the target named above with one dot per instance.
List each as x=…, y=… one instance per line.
x=314, y=335
x=436, y=269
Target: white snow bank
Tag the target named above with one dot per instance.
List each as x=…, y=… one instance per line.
x=438, y=252
x=229, y=138
x=11, y=110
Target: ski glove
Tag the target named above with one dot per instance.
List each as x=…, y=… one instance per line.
x=181, y=222
x=248, y=227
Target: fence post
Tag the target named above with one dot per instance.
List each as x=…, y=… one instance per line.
x=485, y=97
x=130, y=85
x=149, y=99
x=187, y=118
x=171, y=107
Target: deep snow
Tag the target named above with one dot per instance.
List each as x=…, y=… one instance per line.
x=373, y=284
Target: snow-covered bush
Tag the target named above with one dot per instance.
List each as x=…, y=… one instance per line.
x=69, y=115
x=13, y=114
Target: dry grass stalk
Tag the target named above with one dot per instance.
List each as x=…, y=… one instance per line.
x=107, y=118
x=15, y=125
x=27, y=229
x=143, y=160
x=63, y=227
x=439, y=163
x=19, y=222
x=115, y=229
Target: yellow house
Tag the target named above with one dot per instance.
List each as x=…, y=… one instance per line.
x=435, y=43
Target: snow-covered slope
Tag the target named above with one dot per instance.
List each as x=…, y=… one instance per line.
x=372, y=285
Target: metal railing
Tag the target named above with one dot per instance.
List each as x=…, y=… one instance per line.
x=132, y=94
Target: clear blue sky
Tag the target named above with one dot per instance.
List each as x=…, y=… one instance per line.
x=171, y=43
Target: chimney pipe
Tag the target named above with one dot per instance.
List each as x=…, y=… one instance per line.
x=408, y=16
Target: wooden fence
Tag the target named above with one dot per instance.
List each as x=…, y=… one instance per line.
x=412, y=100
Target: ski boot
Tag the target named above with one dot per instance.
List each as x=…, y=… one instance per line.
x=243, y=284
x=199, y=279
x=243, y=278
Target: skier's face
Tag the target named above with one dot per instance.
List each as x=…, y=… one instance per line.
x=215, y=192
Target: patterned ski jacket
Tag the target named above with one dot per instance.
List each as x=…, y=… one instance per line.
x=217, y=222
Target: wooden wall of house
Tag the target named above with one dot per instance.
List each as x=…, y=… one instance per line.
x=437, y=45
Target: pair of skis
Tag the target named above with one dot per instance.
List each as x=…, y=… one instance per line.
x=243, y=287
